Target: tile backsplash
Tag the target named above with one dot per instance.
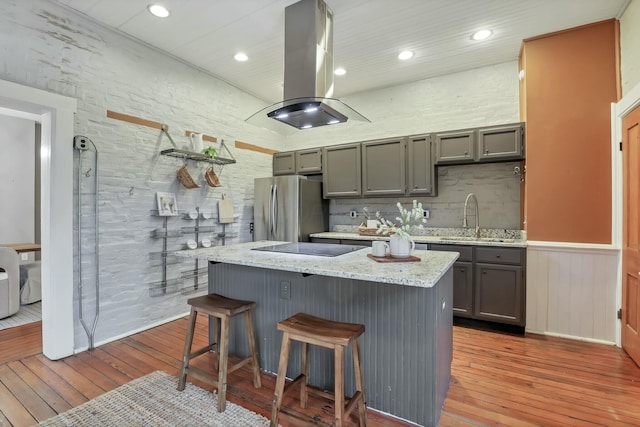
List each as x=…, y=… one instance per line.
x=495, y=185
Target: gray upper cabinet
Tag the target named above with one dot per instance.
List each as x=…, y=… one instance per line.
x=421, y=175
x=309, y=161
x=383, y=167
x=284, y=163
x=455, y=147
x=341, y=175
x=501, y=143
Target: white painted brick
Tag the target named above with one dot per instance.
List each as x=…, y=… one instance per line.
x=45, y=46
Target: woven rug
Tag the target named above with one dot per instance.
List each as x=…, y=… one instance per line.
x=153, y=400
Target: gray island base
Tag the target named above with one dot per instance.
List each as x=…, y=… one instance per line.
x=405, y=307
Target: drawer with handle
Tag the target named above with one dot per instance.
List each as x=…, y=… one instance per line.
x=495, y=255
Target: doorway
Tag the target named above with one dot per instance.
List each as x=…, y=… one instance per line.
x=55, y=113
x=625, y=230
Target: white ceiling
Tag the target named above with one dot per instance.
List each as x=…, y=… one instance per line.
x=368, y=35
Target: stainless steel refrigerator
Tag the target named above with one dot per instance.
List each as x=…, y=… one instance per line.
x=289, y=208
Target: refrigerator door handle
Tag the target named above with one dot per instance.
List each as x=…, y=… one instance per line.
x=270, y=215
x=275, y=211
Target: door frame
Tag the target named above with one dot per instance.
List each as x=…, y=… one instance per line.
x=55, y=113
x=618, y=110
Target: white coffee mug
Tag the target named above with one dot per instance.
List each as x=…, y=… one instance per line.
x=379, y=248
x=197, y=143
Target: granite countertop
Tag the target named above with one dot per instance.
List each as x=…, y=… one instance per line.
x=504, y=238
x=353, y=265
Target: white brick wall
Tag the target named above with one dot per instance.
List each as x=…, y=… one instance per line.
x=480, y=97
x=45, y=46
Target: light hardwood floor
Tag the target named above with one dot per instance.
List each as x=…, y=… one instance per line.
x=496, y=379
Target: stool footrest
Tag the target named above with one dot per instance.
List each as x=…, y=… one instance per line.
x=240, y=364
x=202, y=351
x=353, y=402
x=202, y=375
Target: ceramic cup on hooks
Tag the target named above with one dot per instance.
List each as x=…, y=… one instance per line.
x=197, y=142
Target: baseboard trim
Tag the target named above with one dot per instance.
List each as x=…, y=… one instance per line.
x=570, y=337
x=135, y=331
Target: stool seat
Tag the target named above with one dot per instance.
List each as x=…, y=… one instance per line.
x=337, y=336
x=318, y=329
x=218, y=304
x=222, y=309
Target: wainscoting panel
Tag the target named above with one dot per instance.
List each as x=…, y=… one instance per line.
x=571, y=291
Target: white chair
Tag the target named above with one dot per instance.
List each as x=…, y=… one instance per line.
x=30, y=283
x=9, y=282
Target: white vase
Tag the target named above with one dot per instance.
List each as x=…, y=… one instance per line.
x=401, y=247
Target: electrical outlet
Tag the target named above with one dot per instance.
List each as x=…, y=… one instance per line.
x=80, y=142
x=24, y=257
x=251, y=228
x=285, y=290
x=353, y=214
x=425, y=213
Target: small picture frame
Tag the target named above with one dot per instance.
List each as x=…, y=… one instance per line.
x=167, y=205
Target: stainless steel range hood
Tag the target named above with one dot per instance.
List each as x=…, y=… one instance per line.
x=308, y=72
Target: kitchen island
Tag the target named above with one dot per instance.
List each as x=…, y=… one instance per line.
x=405, y=307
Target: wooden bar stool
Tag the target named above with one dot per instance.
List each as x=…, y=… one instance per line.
x=326, y=333
x=222, y=309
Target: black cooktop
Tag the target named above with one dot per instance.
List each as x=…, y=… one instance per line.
x=306, y=248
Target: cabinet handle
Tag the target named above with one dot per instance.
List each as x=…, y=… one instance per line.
x=466, y=153
x=497, y=256
x=486, y=152
x=368, y=188
x=462, y=270
x=415, y=186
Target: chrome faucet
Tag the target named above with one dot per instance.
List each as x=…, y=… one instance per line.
x=465, y=223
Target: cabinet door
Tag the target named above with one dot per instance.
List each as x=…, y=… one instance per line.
x=309, y=161
x=341, y=175
x=501, y=143
x=463, y=289
x=284, y=163
x=421, y=174
x=383, y=167
x=499, y=293
x=455, y=147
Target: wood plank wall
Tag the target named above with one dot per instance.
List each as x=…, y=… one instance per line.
x=571, y=292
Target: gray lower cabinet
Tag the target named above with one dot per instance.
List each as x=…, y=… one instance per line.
x=499, y=293
x=341, y=175
x=421, y=174
x=501, y=143
x=455, y=147
x=284, y=163
x=383, y=167
x=462, y=278
x=488, y=283
x=309, y=161
x=463, y=289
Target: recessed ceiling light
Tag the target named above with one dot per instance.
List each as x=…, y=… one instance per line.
x=241, y=57
x=340, y=72
x=405, y=54
x=158, y=10
x=481, y=35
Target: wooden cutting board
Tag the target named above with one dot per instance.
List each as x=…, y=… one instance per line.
x=225, y=210
x=389, y=258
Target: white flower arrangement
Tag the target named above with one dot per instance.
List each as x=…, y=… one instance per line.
x=408, y=221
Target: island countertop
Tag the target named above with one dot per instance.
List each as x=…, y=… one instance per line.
x=353, y=265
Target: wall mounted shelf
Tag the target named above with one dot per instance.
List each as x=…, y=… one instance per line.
x=184, y=154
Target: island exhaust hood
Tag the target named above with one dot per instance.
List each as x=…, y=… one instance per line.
x=308, y=72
